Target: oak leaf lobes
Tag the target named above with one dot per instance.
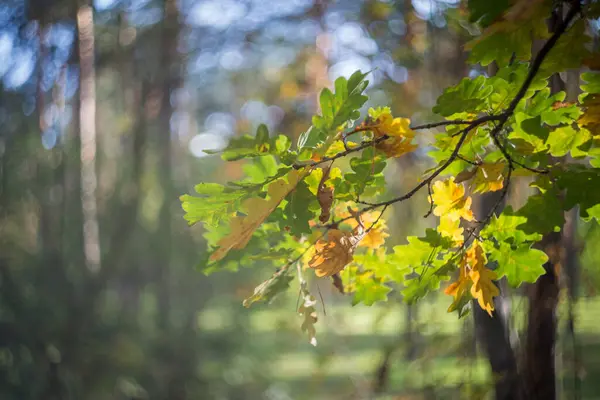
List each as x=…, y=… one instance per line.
x=449, y=200
x=332, y=253
x=450, y=228
x=483, y=289
x=475, y=277
x=257, y=209
x=451, y=205
x=309, y=313
x=398, y=131
x=459, y=288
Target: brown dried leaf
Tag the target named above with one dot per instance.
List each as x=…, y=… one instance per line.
x=325, y=196
x=337, y=283
x=332, y=253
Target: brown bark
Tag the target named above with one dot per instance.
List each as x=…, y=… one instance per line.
x=540, y=370
x=493, y=333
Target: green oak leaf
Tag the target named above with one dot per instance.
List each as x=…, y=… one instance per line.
x=298, y=211
x=215, y=204
x=592, y=80
x=469, y=95
x=504, y=228
x=565, y=139
x=485, y=12
x=247, y=146
x=368, y=288
x=569, y=51
x=544, y=213
x=419, y=285
x=528, y=134
x=336, y=109
x=582, y=186
x=520, y=264
x=415, y=254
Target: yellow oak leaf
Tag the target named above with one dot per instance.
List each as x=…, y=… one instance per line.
x=489, y=177
x=338, y=147
x=395, y=146
x=460, y=287
x=449, y=227
x=450, y=201
x=332, y=253
x=257, y=210
x=375, y=238
x=397, y=129
x=483, y=289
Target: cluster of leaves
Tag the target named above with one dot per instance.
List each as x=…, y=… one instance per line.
x=317, y=206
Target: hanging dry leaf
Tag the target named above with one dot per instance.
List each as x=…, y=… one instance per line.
x=338, y=283
x=465, y=175
x=460, y=287
x=309, y=313
x=332, y=253
x=257, y=209
x=325, y=196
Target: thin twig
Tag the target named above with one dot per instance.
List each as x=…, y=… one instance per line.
x=541, y=55
x=442, y=123
x=500, y=118
x=475, y=163
x=322, y=301
x=430, y=178
x=502, y=195
x=511, y=160
x=376, y=220
x=344, y=153
x=430, y=201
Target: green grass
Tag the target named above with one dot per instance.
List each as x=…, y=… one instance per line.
x=352, y=342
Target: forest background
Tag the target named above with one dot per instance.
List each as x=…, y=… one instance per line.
x=106, y=109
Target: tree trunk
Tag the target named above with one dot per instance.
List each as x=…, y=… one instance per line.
x=87, y=125
x=540, y=369
x=493, y=333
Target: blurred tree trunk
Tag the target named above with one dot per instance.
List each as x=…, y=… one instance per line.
x=170, y=80
x=540, y=369
x=571, y=267
x=493, y=333
x=87, y=126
